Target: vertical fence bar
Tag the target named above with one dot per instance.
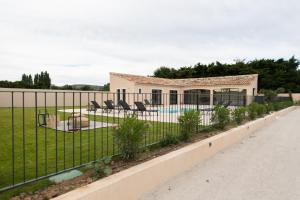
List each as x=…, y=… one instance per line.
x=117, y=104
x=102, y=129
x=80, y=130
x=95, y=130
x=107, y=128
x=36, y=137
x=145, y=120
x=118, y=122
x=56, y=145
x=178, y=111
x=176, y=114
x=13, y=137
x=168, y=113
x=154, y=136
x=157, y=138
x=163, y=121
x=23, y=131
x=197, y=128
x=45, y=131
x=64, y=116
x=89, y=126
x=73, y=137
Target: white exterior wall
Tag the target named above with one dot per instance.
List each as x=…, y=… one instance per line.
x=147, y=91
x=120, y=83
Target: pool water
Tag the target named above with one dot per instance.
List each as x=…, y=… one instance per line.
x=173, y=110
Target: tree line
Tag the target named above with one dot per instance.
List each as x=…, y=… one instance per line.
x=39, y=81
x=273, y=74
x=42, y=80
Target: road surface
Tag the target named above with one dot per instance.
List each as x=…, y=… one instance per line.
x=265, y=165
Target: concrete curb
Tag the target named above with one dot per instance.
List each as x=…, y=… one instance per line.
x=130, y=184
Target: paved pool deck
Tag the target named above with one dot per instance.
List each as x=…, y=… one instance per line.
x=265, y=165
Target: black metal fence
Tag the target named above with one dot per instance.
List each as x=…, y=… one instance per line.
x=47, y=133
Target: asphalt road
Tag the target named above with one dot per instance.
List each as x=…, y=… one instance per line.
x=265, y=165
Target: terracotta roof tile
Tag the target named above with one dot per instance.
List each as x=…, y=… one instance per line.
x=209, y=81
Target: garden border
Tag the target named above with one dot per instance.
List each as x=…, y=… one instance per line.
x=131, y=183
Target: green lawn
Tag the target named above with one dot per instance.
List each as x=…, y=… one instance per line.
x=56, y=150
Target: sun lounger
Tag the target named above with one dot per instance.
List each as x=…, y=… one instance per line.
x=126, y=107
x=110, y=106
x=147, y=102
x=141, y=108
x=95, y=106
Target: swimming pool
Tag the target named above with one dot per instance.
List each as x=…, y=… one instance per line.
x=173, y=110
x=181, y=108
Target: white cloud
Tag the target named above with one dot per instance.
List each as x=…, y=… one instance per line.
x=81, y=41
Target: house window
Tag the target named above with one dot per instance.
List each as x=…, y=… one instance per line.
x=140, y=91
x=156, y=97
x=124, y=94
x=118, y=95
x=173, y=97
x=121, y=96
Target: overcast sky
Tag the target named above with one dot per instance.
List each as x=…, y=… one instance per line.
x=81, y=41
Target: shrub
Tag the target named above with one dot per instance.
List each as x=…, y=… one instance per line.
x=252, y=110
x=206, y=129
x=287, y=104
x=269, y=107
x=220, y=117
x=169, y=140
x=282, y=105
x=276, y=106
x=256, y=110
x=102, y=167
x=129, y=136
x=261, y=110
x=239, y=115
x=189, y=123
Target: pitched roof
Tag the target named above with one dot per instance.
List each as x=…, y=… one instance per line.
x=209, y=81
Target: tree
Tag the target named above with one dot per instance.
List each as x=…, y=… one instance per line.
x=42, y=80
x=47, y=80
x=86, y=88
x=106, y=87
x=36, y=81
x=26, y=81
x=165, y=72
x=273, y=74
